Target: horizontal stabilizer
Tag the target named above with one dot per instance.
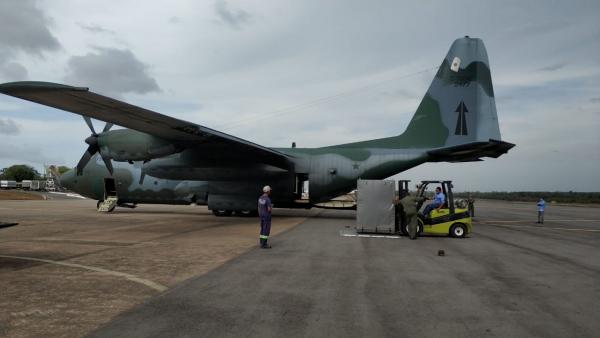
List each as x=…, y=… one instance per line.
x=470, y=152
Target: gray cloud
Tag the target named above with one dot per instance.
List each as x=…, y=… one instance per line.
x=595, y=99
x=12, y=71
x=234, y=18
x=174, y=20
x=25, y=27
x=111, y=71
x=401, y=93
x=95, y=28
x=33, y=155
x=9, y=127
x=553, y=67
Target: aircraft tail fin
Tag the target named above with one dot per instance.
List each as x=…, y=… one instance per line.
x=458, y=112
x=459, y=106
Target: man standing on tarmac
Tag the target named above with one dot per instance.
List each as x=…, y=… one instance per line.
x=471, y=204
x=264, y=212
x=409, y=204
x=541, y=205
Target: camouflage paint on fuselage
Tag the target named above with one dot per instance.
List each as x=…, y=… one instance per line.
x=129, y=189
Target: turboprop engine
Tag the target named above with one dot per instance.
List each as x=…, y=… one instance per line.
x=130, y=145
x=123, y=145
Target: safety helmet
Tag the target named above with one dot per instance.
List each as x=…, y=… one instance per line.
x=266, y=188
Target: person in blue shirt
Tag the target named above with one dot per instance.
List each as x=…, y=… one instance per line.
x=437, y=203
x=264, y=212
x=541, y=206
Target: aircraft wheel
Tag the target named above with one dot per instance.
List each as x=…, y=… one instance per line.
x=458, y=230
x=222, y=212
x=98, y=204
x=246, y=213
x=112, y=208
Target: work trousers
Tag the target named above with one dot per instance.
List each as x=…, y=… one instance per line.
x=411, y=221
x=540, y=217
x=430, y=207
x=471, y=210
x=265, y=229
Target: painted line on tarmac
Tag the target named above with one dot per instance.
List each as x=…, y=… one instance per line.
x=368, y=236
x=133, y=278
x=543, y=227
x=67, y=194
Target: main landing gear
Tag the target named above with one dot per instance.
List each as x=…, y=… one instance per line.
x=238, y=213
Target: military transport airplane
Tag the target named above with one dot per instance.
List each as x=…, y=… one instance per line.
x=174, y=161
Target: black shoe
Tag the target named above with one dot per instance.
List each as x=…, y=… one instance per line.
x=267, y=246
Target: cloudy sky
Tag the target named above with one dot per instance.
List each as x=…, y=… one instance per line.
x=314, y=72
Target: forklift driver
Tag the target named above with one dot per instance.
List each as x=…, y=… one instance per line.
x=437, y=203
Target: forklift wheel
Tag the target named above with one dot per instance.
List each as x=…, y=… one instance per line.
x=458, y=230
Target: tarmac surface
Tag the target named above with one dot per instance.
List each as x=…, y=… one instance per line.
x=511, y=277
x=65, y=269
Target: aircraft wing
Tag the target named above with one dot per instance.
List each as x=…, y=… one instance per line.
x=80, y=100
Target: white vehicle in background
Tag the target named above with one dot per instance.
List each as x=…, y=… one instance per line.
x=6, y=184
x=31, y=185
x=26, y=184
x=36, y=185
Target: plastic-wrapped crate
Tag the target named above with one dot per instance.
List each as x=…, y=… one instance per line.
x=375, y=206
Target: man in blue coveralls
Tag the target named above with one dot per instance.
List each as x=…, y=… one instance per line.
x=264, y=212
x=541, y=205
x=437, y=203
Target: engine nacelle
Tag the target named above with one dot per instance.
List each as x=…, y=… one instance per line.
x=131, y=145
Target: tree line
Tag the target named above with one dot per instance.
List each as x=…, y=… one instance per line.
x=534, y=196
x=20, y=172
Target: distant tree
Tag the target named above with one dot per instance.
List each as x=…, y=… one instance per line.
x=20, y=172
x=533, y=196
x=63, y=169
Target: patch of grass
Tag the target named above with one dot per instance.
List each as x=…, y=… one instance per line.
x=6, y=195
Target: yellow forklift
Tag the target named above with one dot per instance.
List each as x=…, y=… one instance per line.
x=448, y=220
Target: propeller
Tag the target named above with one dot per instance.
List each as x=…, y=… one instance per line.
x=93, y=148
x=142, y=172
x=142, y=175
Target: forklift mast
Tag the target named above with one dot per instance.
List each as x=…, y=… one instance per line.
x=403, y=188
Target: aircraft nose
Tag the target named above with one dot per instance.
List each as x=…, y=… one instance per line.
x=67, y=180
